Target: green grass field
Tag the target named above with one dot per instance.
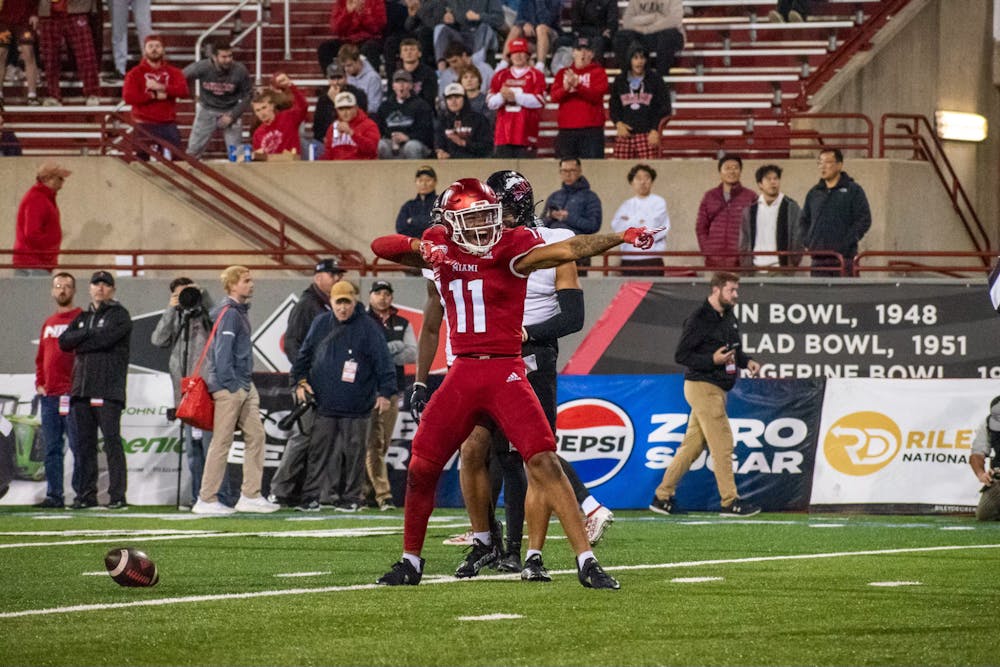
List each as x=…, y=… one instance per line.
x=779, y=589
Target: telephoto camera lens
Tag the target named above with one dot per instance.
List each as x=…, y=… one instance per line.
x=189, y=297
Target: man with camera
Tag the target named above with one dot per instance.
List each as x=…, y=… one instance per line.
x=344, y=364
x=184, y=328
x=313, y=301
x=710, y=348
x=986, y=444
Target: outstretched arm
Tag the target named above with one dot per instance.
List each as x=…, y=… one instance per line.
x=580, y=246
x=400, y=249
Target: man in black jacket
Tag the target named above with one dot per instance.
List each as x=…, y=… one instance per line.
x=835, y=216
x=313, y=301
x=325, y=114
x=639, y=102
x=709, y=347
x=100, y=338
x=461, y=132
x=405, y=121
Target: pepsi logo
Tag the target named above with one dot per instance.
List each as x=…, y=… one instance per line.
x=596, y=436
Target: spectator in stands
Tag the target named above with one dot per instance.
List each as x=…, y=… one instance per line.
x=517, y=94
x=579, y=90
x=425, y=80
x=396, y=14
x=461, y=132
x=720, y=214
x=345, y=363
x=313, y=302
x=597, y=19
x=38, y=234
x=643, y=210
x=459, y=58
x=793, y=11
x=67, y=20
x=353, y=136
x=537, y=20
x=357, y=22
x=402, y=345
x=9, y=145
x=406, y=122
x=835, y=216
x=225, y=95
x=325, y=112
x=476, y=23
x=986, y=444
x=414, y=216
x=53, y=381
x=237, y=403
x=277, y=137
x=574, y=206
x=100, y=337
x=361, y=74
x=152, y=88
x=639, y=102
x=17, y=23
x=143, y=19
x=421, y=17
x=659, y=26
x=770, y=223
x=476, y=99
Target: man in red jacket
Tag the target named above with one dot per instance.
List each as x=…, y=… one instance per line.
x=720, y=215
x=353, y=136
x=53, y=380
x=278, y=132
x=579, y=90
x=39, y=233
x=359, y=22
x=152, y=88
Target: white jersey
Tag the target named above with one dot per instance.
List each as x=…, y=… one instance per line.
x=540, y=302
x=448, y=354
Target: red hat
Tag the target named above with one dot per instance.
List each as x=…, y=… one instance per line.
x=518, y=46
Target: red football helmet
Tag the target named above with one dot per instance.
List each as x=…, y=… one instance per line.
x=471, y=212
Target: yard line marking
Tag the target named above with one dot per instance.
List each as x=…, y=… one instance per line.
x=827, y=525
x=694, y=580
x=96, y=533
x=99, y=573
x=890, y=584
x=958, y=527
x=450, y=580
x=490, y=617
x=301, y=574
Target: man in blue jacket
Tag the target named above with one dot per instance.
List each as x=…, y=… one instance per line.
x=344, y=363
x=835, y=216
x=229, y=377
x=574, y=206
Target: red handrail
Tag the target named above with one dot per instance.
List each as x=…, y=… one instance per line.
x=901, y=261
x=914, y=134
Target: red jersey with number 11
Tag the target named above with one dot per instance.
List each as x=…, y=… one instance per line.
x=483, y=295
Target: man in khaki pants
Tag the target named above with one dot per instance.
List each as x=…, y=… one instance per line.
x=229, y=378
x=710, y=349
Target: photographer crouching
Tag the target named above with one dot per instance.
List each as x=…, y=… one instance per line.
x=185, y=323
x=986, y=444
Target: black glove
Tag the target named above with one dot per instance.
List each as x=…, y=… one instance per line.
x=418, y=400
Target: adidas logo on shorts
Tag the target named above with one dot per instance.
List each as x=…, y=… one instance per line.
x=513, y=377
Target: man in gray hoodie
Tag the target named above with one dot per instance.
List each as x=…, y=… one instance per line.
x=225, y=95
x=230, y=380
x=361, y=74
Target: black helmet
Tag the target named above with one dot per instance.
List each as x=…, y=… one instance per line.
x=515, y=195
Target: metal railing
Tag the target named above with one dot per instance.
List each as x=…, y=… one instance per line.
x=914, y=134
x=978, y=264
x=255, y=27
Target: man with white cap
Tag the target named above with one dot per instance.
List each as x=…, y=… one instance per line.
x=354, y=135
x=986, y=444
x=38, y=234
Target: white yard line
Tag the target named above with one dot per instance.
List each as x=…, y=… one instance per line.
x=445, y=580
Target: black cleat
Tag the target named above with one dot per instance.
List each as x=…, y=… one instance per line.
x=83, y=504
x=479, y=556
x=402, y=574
x=662, y=506
x=509, y=562
x=592, y=575
x=534, y=570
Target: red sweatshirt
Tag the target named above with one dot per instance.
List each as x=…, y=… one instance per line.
x=39, y=232
x=53, y=367
x=145, y=107
x=361, y=145
x=282, y=133
x=584, y=107
x=365, y=24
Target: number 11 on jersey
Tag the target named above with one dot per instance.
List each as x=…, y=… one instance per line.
x=475, y=289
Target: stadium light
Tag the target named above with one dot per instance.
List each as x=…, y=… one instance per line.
x=960, y=126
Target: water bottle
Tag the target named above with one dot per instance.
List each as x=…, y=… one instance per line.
x=232, y=153
x=247, y=153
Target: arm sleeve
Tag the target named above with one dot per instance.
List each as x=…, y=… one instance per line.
x=74, y=334
x=119, y=326
x=133, y=91
x=804, y=223
x=394, y=247
x=687, y=353
x=366, y=138
x=568, y=320
x=39, y=360
x=246, y=94
x=384, y=368
x=589, y=222
x=177, y=86
x=703, y=223
x=615, y=102
x=166, y=329
x=222, y=351
x=594, y=92
x=744, y=242
x=861, y=217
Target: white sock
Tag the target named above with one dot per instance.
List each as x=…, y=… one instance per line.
x=414, y=560
x=485, y=537
x=532, y=552
x=590, y=505
x=582, y=558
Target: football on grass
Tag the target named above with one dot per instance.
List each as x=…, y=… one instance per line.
x=131, y=567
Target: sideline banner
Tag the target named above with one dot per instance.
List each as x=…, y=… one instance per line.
x=899, y=446
x=620, y=432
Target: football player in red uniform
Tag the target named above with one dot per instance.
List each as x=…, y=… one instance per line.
x=482, y=269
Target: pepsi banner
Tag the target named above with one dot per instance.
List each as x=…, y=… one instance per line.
x=620, y=432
